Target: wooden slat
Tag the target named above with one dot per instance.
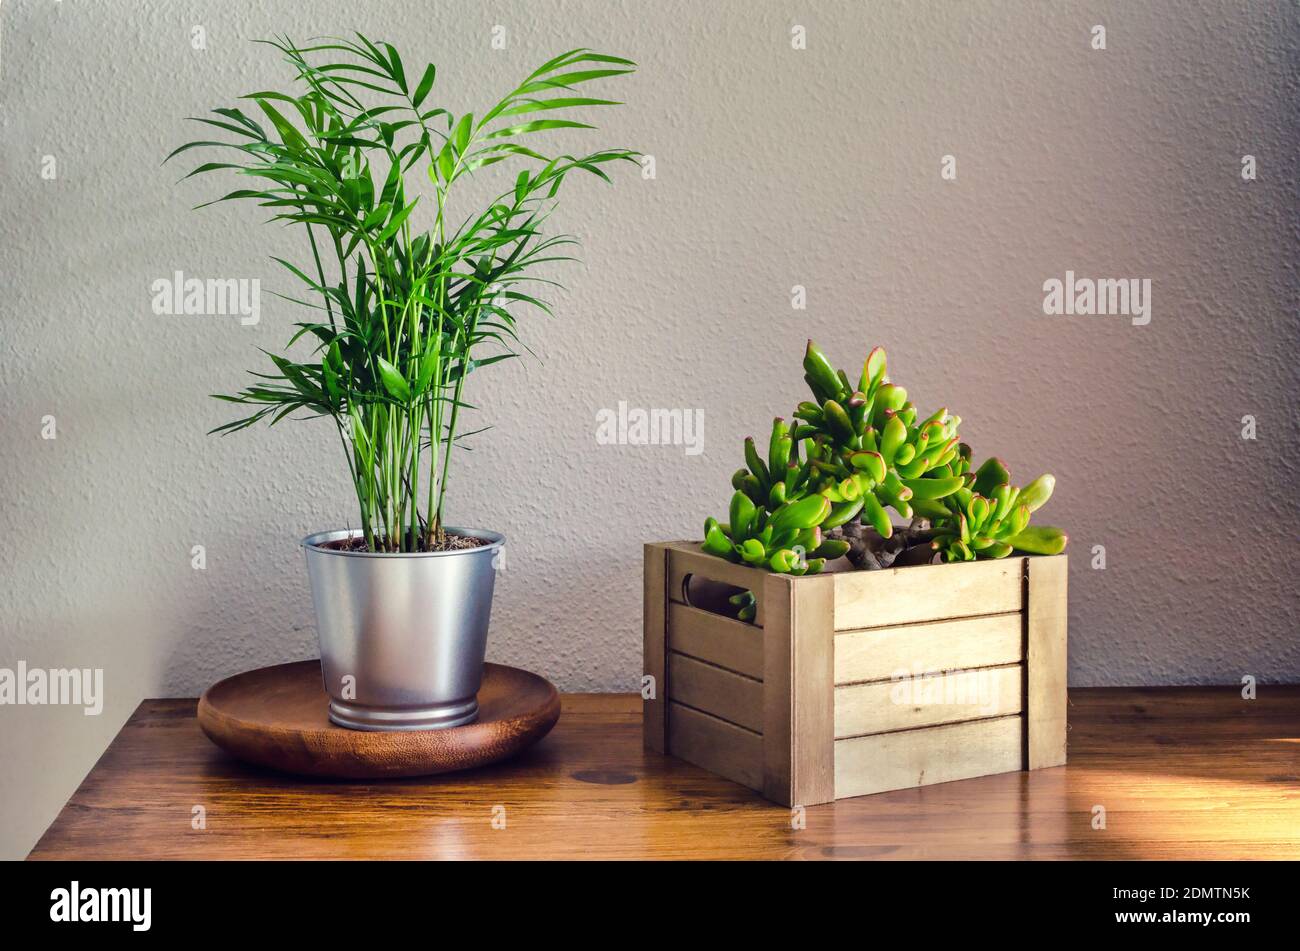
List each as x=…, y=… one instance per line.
x=938, y=754
x=722, y=693
x=715, y=745
x=778, y=699
x=799, y=690
x=685, y=558
x=653, y=600
x=1045, y=661
x=885, y=652
x=716, y=639
x=927, y=593
x=953, y=697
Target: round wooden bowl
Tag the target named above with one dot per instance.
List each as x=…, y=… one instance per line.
x=276, y=717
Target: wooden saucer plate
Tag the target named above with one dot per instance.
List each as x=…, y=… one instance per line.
x=276, y=717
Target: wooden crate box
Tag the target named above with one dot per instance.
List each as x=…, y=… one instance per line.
x=819, y=698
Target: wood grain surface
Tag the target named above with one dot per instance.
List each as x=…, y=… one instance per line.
x=277, y=717
x=1194, y=773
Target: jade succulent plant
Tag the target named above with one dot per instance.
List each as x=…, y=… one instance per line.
x=988, y=517
x=778, y=512
x=853, y=453
x=862, y=450
x=875, y=452
x=746, y=605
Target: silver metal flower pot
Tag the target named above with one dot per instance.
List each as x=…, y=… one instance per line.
x=402, y=636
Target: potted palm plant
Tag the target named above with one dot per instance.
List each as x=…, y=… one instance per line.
x=406, y=305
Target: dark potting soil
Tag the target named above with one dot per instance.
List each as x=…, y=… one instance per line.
x=448, y=542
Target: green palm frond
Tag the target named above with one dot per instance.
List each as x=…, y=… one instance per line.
x=408, y=305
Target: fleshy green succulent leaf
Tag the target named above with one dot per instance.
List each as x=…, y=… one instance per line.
x=810, y=538
x=776, y=495
x=933, y=488
x=837, y=421
x=742, y=515
x=873, y=370
x=804, y=513
x=746, y=604
x=895, y=487
x=846, y=388
x=856, y=406
x=940, y=454
x=784, y=561
x=1002, y=498
x=871, y=464
x=841, y=514
x=756, y=463
x=1016, y=521
x=830, y=549
x=928, y=508
x=889, y=399
x=779, y=448
x=821, y=373
x=877, y=515
x=795, y=477
x=1040, y=540
x=938, y=416
x=750, y=486
x=892, y=437
x=773, y=538
x=993, y=473
x=716, y=543
x=810, y=412
x=1036, y=494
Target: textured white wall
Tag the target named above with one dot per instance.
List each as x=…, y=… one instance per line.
x=775, y=167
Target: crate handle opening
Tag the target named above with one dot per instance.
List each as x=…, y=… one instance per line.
x=706, y=594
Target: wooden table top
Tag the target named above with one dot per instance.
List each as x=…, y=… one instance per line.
x=1192, y=773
